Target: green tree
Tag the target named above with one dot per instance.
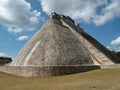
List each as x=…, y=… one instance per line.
x=118, y=54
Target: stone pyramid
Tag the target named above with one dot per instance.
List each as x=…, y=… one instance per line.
x=61, y=42
x=60, y=47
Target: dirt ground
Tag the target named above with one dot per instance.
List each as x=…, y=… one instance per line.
x=92, y=80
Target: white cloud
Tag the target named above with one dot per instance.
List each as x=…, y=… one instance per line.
x=115, y=45
x=116, y=42
x=18, y=16
x=3, y=55
x=84, y=10
x=21, y=38
x=110, y=12
x=78, y=9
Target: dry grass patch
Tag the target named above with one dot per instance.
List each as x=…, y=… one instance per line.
x=92, y=80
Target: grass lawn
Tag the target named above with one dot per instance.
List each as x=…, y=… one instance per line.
x=92, y=80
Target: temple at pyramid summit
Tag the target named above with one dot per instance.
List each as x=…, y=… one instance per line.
x=60, y=47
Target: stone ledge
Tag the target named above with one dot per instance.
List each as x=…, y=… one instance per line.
x=29, y=71
x=115, y=66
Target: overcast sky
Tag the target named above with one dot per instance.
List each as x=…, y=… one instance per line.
x=20, y=19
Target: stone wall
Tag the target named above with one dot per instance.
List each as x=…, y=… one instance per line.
x=116, y=66
x=29, y=71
